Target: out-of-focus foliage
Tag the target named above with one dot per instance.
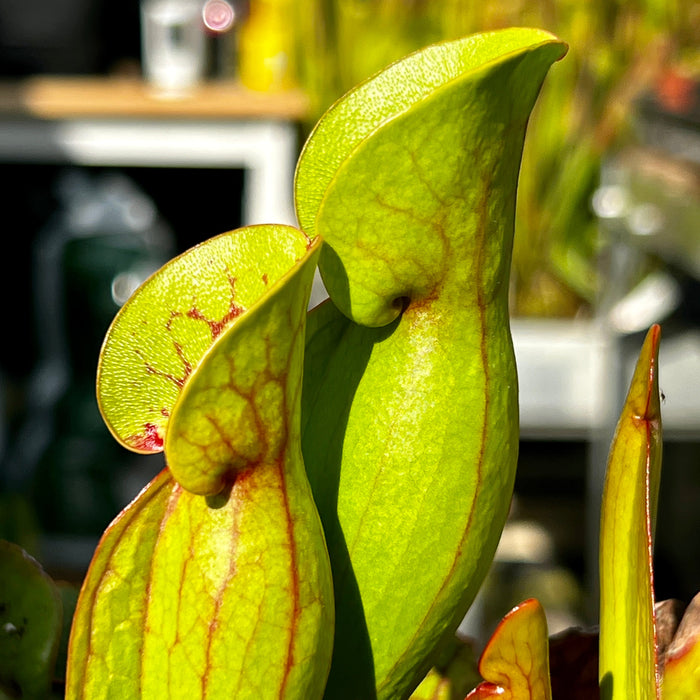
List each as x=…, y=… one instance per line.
x=31, y=615
x=617, y=51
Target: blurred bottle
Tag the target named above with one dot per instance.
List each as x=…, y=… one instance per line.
x=173, y=44
x=266, y=46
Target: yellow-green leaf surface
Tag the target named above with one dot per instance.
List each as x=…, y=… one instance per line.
x=515, y=662
x=31, y=614
x=162, y=332
x=227, y=595
x=410, y=400
x=433, y=687
x=627, y=666
x=240, y=404
x=681, y=680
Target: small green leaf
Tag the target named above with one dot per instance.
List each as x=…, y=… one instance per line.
x=627, y=666
x=681, y=679
x=31, y=614
x=515, y=662
x=433, y=687
x=410, y=399
x=162, y=332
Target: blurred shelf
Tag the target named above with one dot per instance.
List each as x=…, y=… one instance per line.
x=574, y=376
x=119, y=122
x=564, y=372
x=68, y=97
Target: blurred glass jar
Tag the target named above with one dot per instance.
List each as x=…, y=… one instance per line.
x=173, y=44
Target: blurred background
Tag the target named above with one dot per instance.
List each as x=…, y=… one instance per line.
x=607, y=241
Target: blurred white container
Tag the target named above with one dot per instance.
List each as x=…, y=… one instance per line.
x=173, y=44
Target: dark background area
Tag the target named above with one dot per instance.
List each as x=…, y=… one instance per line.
x=68, y=36
x=195, y=203
x=62, y=473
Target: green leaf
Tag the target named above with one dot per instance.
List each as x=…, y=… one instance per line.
x=162, y=332
x=433, y=687
x=31, y=615
x=515, y=662
x=401, y=176
x=627, y=666
x=410, y=409
x=188, y=600
x=227, y=595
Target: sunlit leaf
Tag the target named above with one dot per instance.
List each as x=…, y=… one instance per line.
x=433, y=687
x=240, y=406
x=162, y=332
x=225, y=595
x=411, y=407
x=30, y=625
x=515, y=662
x=627, y=665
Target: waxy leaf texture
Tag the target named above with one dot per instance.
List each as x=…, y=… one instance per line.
x=410, y=408
x=162, y=332
x=215, y=582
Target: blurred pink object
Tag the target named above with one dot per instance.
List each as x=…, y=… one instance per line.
x=218, y=15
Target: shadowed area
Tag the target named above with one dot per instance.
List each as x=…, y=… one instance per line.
x=337, y=353
x=219, y=500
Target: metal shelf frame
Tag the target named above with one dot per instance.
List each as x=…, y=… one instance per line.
x=266, y=149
